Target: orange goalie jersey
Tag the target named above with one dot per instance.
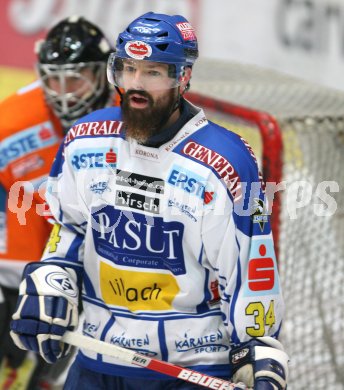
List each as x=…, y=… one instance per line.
x=30, y=135
x=29, y=138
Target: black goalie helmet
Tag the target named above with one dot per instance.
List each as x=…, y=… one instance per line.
x=72, y=67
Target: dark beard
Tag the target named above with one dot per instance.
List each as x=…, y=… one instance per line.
x=141, y=124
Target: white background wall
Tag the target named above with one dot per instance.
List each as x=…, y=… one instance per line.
x=301, y=37
x=304, y=38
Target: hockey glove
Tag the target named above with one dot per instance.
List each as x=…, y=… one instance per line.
x=47, y=306
x=260, y=363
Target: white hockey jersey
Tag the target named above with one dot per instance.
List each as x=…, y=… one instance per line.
x=173, y=244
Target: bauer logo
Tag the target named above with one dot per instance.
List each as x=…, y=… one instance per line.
x=138, y=49
x=141, y=361
x=61, y=281
x=203, y=380
x=91, y=158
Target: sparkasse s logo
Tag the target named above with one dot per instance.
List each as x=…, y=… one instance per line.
x=90, y=158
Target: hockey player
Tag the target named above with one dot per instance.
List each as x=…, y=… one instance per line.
x=155, y=232
x=72, y=82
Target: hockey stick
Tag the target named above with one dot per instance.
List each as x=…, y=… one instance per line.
x=132, y=357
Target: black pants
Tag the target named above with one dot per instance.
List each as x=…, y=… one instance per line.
x=82, y=378
x=14, y=355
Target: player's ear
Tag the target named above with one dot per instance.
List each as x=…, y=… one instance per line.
x=185, y=79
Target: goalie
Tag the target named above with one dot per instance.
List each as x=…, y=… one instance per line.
x=71, y=65
x=153, y=231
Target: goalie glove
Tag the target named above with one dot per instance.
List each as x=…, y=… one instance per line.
x=260, y=363
x=47, y=306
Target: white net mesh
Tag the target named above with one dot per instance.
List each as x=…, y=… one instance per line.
x=311, y=229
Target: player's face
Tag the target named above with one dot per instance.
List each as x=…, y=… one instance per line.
x=150, y=96
x=145, y=75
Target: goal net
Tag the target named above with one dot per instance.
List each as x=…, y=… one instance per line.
x=297, y=132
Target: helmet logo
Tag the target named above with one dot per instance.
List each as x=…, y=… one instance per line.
x=138, y=49
x=187, y=31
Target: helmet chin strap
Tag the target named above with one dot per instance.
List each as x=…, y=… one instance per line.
x=178, y=99
x=177, y=102
x=119, y=93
